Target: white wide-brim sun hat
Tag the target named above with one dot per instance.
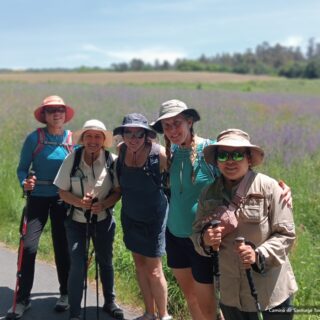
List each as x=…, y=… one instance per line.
x=95, y=125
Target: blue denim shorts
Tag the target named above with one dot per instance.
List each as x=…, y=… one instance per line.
x=181, y=254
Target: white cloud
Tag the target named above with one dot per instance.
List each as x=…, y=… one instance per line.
x=293, y=41
x=147, y=54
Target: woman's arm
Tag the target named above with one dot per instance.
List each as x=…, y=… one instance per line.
x=108, y=202
x=80, y=202
x=282, y=234
x=163, y=159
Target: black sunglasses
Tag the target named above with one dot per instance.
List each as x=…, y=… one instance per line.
x=52, y=110
x=137, y=134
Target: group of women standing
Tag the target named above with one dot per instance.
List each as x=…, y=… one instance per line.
x=152, y=227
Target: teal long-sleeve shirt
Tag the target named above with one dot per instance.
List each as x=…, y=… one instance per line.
x=45, y=164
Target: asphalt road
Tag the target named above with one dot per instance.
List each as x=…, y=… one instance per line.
x=44, y=293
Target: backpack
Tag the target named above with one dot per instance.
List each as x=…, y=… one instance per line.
x=75, y=167
x=42, y=142
x=77, y=158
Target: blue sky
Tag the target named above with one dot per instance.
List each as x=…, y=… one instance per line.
x=71, y=33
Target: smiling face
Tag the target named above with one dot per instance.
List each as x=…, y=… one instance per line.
x=177, y=130
x=233, y=170
x=54, y=116
x=134, y=138
x=93, y=141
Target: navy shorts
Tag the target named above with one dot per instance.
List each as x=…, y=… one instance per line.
x=181, y=254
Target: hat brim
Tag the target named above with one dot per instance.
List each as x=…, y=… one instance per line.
x=119, y=130
x=39, y=112
x=257, y=153
x=77, y=136
x=157, y=126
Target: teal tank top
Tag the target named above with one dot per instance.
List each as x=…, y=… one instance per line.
x=184, y=192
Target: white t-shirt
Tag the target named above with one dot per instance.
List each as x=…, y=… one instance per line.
x=95, y=181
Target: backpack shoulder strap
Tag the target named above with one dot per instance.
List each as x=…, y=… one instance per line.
x=121, y=157
x=109, y=164
x=67, y=141
x=40, y=142
x=76, y=162
x=152, y=165
x=243, y=188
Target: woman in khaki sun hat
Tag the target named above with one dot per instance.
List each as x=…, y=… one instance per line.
x=265, y=223
x=43, y=152
x=189, y=174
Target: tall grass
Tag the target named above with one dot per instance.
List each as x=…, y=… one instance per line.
x=285, y=123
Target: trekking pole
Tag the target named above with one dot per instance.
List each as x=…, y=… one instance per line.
x=87, y=215
x=89, y=218
x=94, y=222
x=23, y=232
x=239, y=241
x=216, y=271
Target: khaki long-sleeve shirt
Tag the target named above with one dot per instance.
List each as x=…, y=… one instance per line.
x=266, y=222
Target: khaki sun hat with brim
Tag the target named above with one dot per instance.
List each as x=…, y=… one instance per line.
x=95, y=125
x=135, y=120
x=234, y=138
x=172, y=108
x=51, y=102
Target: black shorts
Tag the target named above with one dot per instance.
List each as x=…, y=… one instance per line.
x=181, y=254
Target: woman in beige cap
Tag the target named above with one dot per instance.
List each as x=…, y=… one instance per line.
x=43, y=152
x=265, y=227
x=189, y=174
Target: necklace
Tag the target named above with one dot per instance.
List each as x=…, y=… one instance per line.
x=136, y=154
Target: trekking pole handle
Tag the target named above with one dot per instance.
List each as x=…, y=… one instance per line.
x=239, y=241
x=211, y=224
x=30, y=175
x=88, y=215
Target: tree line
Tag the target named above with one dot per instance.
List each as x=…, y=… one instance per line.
x=266, y=59
x=279, y=60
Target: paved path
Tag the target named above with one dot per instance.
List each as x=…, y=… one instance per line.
x=44, y=292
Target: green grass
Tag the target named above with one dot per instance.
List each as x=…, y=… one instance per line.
x=303, y=86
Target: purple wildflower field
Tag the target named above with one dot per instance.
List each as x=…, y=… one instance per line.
x=284, y=124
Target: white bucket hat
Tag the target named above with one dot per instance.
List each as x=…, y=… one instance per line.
x=172, y=108
x=234, y=138
x=96, y=125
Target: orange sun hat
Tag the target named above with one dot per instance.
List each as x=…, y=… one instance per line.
x=52, y=101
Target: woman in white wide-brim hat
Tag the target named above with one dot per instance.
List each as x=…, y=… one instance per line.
x=43, y=152
x=265, y=223
x=86, y=182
